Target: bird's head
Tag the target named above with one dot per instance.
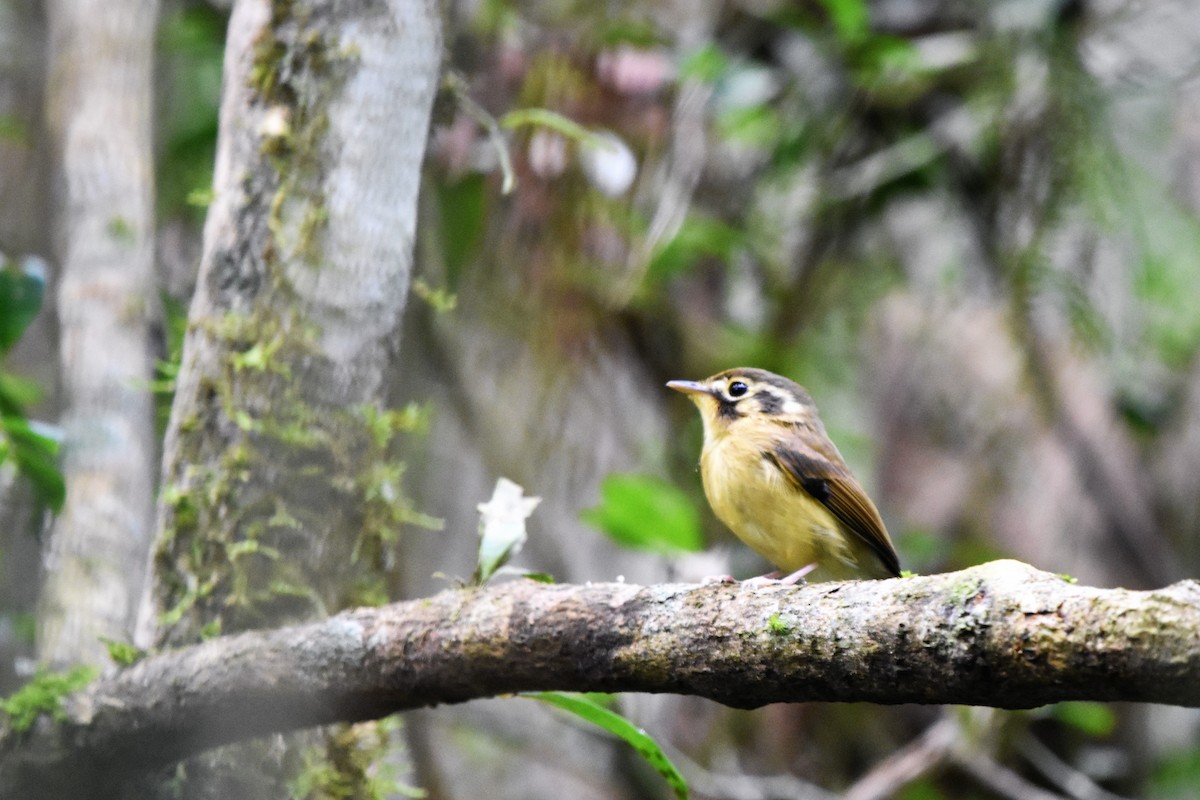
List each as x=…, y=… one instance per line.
x=737, y=396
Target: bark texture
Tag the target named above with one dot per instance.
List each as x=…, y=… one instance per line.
x=1002, y=634
x=277, y=435
x=281, y=493
x=99, y=97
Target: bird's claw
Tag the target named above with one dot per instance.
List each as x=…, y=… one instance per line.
x=774, y=579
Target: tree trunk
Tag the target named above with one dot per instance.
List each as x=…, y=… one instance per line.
x=281, y=495
x=99, y=110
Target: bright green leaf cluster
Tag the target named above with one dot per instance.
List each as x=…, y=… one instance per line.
x=643, y=512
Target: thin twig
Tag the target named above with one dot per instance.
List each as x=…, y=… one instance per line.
x=919, y=757
x=1061, y=774
x=1000, y=779
x=706, y=783
x=458, y=87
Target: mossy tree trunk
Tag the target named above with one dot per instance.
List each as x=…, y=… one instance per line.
x=281, y=485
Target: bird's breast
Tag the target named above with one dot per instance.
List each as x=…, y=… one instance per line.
x=787, y=526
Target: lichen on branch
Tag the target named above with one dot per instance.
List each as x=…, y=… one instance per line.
x=1002, y=634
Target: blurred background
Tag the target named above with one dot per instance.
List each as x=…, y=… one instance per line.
x=971, y=230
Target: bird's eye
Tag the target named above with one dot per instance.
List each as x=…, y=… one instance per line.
x=737, y=389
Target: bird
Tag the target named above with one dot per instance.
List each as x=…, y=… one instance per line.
x=774, y=477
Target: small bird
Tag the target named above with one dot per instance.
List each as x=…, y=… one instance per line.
x=773, y=476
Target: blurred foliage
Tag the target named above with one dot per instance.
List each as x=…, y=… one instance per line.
x=44, y=694
x=826, y=130
x=644, y=512
x=13, y=129
x=123, y=654
x=1176, y=777
x=30, y=445
x=1093, y=719
x=783, y=153
x=21, y=293
x=589, y=709
x=166, y=369
x=353, y=762
x=191, y=51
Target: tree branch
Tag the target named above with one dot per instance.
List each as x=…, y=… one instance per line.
x=1002, y=634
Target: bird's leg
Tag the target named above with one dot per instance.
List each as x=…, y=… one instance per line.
x=797, y=577
x=774, y=579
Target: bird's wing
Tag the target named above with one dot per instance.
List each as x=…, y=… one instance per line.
x=833, y=486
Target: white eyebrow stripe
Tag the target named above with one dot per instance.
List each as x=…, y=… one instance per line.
x=775, y=390
x=790, y=404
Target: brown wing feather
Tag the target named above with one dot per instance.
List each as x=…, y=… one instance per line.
x=832, y=485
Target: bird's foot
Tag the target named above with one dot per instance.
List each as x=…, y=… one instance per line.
x=711, y=579
x=775, y=579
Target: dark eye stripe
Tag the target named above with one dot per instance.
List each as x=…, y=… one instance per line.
x=727, y=409
x=769, y=402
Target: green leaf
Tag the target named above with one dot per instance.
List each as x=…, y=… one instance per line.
x=191, y=54
x=463, y=206
x=21, y=291
x=123, y=654
x=591, y=711
x=706, y=65
x=528, y=574
x=699, y=237
x=631, y=31
x=1176, y=776
x=1094, y=719
x=646, y=513
x=440, y=299
x=552, y=120
x=16, y=393
x=36, y=456
x=849, y=18
x=921, y=789
x=757, y=125
x=502, y=527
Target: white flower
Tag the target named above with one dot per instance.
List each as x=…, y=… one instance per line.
x=608, y=163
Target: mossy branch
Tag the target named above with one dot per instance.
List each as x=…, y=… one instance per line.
x=1002, y=634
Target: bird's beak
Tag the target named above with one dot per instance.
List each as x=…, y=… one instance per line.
x=688, y=387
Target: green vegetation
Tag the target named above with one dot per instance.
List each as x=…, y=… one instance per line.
x=587, y=708
x=44, y=694
x=31, y=446
x=644, y=512
x=124, y=654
